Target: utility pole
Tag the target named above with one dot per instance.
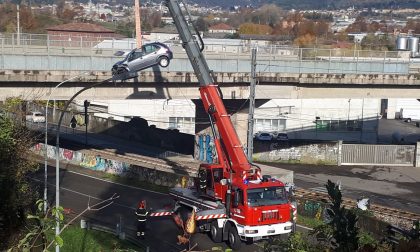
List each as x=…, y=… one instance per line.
x=250, y=140
x=86, y=105
x=18, y=24
x=138, y=24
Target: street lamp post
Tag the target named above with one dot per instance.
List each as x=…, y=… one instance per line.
x=46, y=137
x=57, y=152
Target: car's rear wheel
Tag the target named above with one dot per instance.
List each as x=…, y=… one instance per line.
x=233, y=238
x=163, y=61
x=216, y=232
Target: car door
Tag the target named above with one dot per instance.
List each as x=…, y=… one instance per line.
x=134, y=60
x=150, y=55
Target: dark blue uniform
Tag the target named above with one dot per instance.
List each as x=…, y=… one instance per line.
x=141, y=221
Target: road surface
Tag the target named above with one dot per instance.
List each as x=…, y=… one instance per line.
x=76, y=189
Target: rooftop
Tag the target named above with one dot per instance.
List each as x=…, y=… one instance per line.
x=80, y=27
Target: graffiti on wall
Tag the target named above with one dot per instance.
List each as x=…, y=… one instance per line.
x=98, y=163
x=311, y=153
x=93, y=162
x=206, y=149
x=277, y=153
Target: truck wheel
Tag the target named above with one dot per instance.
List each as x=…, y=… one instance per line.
x=215, y=232
x=233, y=238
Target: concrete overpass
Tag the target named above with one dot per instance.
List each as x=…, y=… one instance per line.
x=37, y=85
x=32, y=71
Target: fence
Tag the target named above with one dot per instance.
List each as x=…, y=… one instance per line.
x=369, y=154
x=118, y=229
x=98, y=62
x=337, y=153
x=66, y=44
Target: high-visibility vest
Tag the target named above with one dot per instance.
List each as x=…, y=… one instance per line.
x=141, y=214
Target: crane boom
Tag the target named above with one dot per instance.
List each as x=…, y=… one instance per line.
x=229, y=149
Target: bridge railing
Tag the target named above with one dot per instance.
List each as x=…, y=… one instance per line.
x=86, y=45
x=44, y=62
x=39, y=52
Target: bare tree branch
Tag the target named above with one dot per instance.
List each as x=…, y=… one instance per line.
x=95, y=207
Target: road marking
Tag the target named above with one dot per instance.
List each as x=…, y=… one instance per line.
x=116, y=183
x=320, y=189
x=83, y=194
x=307, y=228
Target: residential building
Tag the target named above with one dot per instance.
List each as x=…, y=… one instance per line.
x=78, y=34
x=221, y=28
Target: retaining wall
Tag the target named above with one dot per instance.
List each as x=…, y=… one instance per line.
x=121, y=168
x=308, y=153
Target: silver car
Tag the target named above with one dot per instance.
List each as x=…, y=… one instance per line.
x=148, y=55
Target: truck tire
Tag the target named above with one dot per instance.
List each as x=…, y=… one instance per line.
x=233, y=238
x=215, y=232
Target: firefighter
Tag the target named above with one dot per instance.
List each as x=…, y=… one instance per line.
x=202, y=180
x=141, y=213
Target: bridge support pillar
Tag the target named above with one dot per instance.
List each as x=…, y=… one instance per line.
x=237, y=108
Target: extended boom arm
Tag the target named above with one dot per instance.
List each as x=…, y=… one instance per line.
x=233, y=157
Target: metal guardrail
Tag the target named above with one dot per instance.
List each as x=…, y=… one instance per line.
x=85, y=45
x=118, y=231
x=81, y=53
x=226, y=64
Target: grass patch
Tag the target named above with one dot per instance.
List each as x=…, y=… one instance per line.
x=308, y=221
x=77, y=239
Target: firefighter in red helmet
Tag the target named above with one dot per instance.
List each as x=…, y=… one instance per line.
x=141, y=213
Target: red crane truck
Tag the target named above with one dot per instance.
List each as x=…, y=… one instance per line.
x=231, y=199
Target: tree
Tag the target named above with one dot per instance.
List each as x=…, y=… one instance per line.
x=340, y=231
x=305, y=40
x=40, y=223
x=27, y=19
x=16, y=194
x=201, y=24
x=250, y=28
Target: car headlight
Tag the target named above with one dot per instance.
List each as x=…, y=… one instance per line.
x=287, y=227
x=251, y=231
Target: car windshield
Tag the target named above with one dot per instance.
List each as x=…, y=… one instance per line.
x=134, y=55
x=37, y=114
x=266, y=196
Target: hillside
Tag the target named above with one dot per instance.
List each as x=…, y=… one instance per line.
x=285, y=4
x=319, y=4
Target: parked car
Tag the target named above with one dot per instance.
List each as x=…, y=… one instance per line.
x=263, y=136
x=37, y=117
x=282, y=137
x=148, y=55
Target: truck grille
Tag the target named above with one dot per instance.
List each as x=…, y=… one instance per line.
x=270, y=215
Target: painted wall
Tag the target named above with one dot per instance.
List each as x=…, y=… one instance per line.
x=98, y=163
x=308, y=153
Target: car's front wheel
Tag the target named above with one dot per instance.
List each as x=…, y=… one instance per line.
x=121, y=70
x=163, y=61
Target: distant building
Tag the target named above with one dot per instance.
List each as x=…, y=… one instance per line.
x=221, y=28
x=357, y=37
x=78, y=34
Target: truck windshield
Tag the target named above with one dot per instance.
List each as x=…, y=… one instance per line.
x=266, y=196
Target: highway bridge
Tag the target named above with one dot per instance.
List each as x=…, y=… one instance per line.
x=32, y=71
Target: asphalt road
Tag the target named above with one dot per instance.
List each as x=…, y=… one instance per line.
x=77, y=190
x=395, y=187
